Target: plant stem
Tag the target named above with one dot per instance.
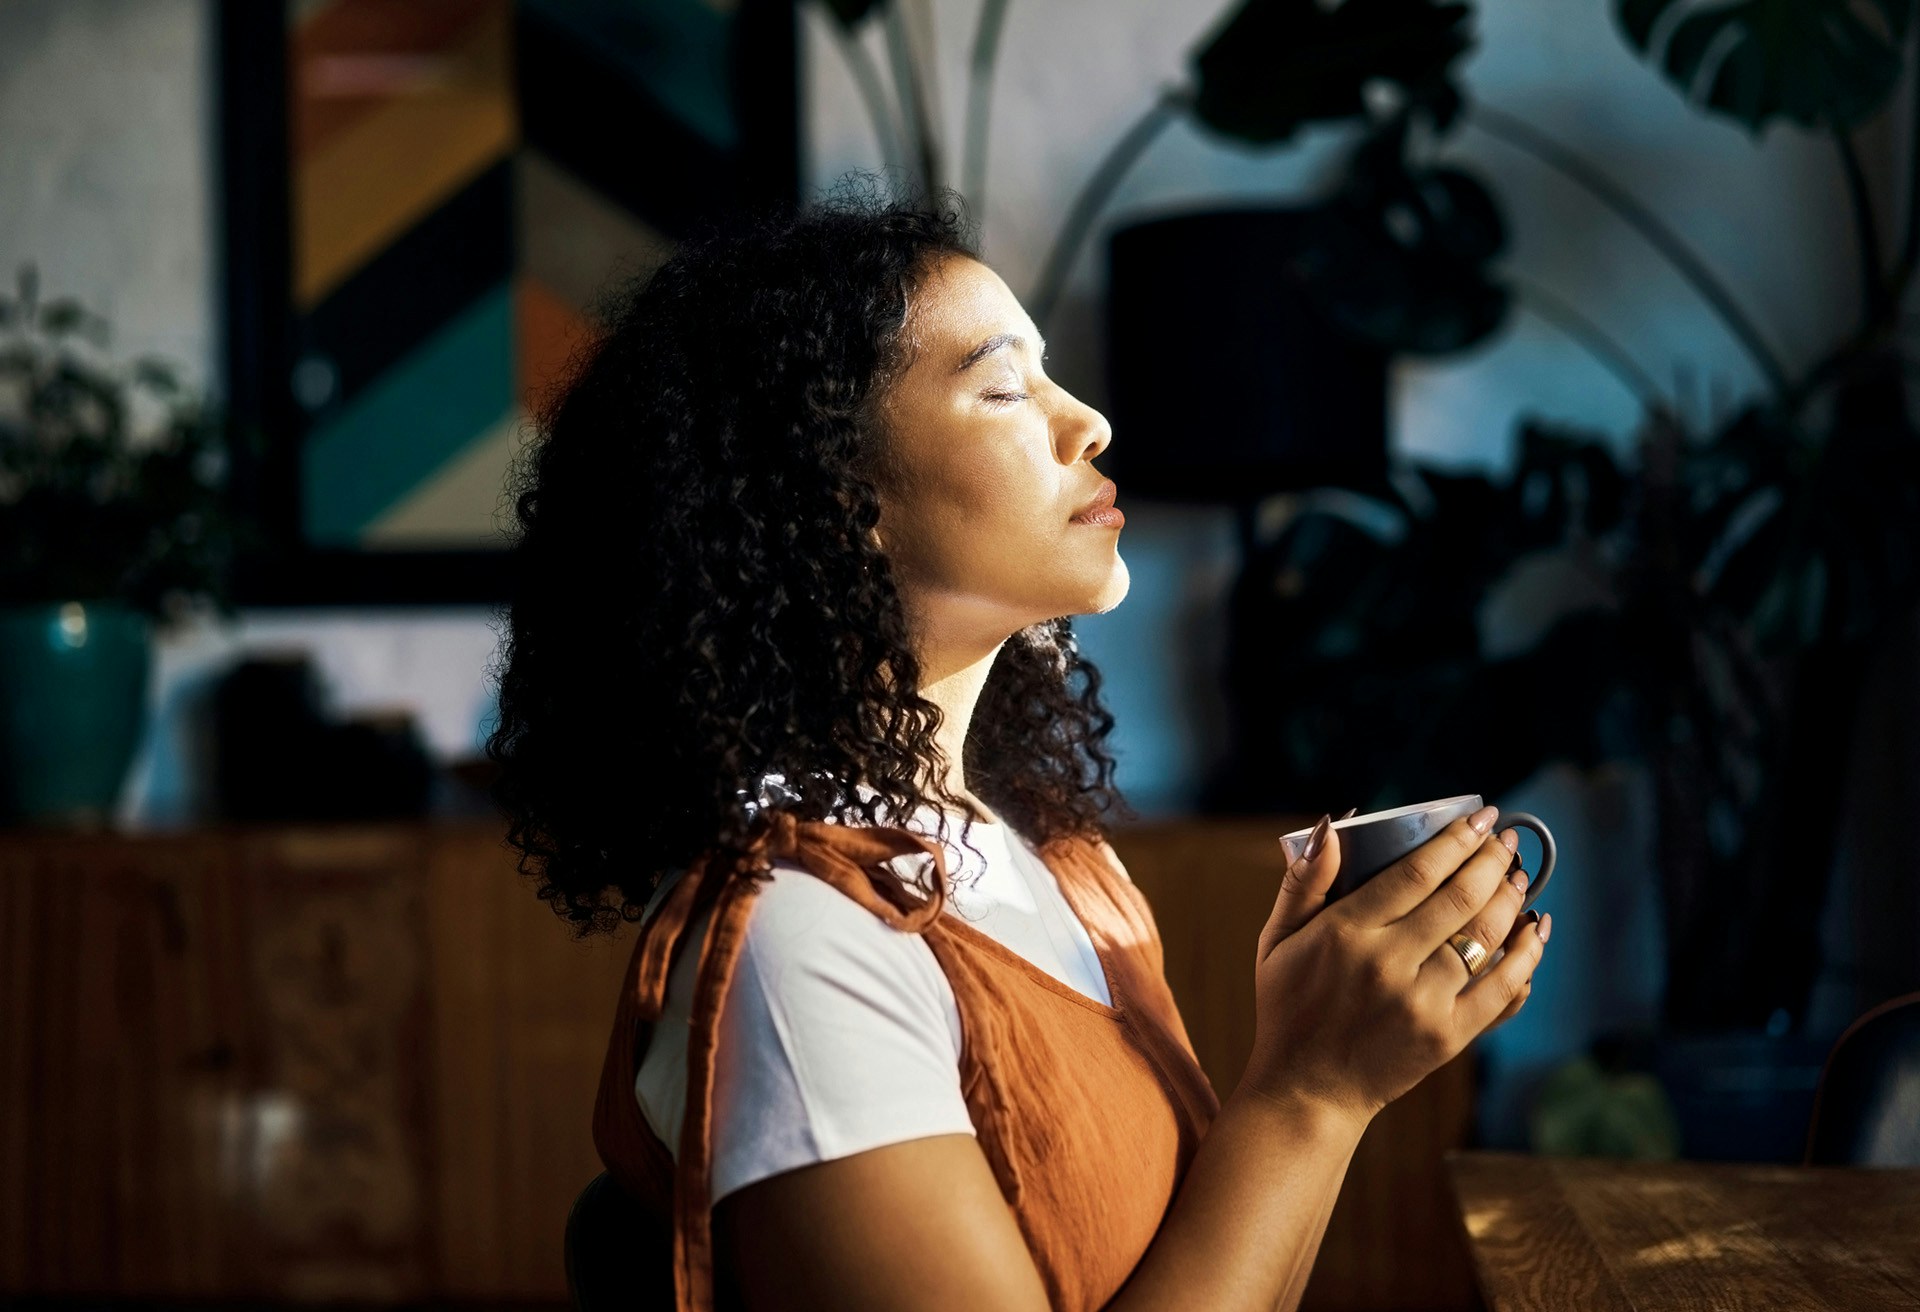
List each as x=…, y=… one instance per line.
x=867, y=78
x=1094, y=194
x=986, y=50
x=1523, y=136
x=906, y=79
x=1866, y=232
x=1612, y=356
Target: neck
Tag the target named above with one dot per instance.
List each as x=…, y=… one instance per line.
x=953, y=682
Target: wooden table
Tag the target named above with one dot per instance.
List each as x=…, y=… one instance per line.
x=1608, y=1236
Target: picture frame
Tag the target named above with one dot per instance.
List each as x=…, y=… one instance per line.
x=422, y=202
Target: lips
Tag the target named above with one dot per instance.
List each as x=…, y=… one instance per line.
x=1101, y=499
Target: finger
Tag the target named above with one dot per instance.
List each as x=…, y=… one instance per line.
x=1520, y=922
x=1406, y=883
x=1513, y=1008
x=1462, y=898
x=1489, y=928
x=1521, y=925
x=1303, y=888
x=1446, y=963
x=1294, y=844
x=1496, y=988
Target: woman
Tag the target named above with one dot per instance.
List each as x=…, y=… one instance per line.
x=798, y=554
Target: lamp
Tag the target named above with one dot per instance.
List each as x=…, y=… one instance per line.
x=1225, y=382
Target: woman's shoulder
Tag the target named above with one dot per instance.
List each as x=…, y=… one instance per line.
x=802, y=927
x=800, y=924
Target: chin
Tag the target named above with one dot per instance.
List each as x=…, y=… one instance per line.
x=1111, y=592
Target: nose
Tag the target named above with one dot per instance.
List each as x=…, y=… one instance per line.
x=1085, y=432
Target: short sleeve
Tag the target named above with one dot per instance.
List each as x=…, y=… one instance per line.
x=838, y=1034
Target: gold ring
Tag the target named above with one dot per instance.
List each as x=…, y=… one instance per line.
x=1471, y=951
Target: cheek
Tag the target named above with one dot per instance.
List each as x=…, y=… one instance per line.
x=1013, y=504
x=990, y=518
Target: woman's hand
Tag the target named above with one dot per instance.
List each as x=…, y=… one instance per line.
x=1357, y=1002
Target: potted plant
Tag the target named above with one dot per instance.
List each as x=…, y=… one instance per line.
x=112, y=522
x=1740, y=575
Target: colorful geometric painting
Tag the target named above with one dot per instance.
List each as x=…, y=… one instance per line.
x=463, y=179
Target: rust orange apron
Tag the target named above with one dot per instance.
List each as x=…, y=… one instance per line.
x=1087, y=1113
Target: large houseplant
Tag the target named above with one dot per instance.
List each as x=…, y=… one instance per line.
x=112, y=521
x=1735, y=580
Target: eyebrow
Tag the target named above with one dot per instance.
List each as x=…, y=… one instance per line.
x=991, y=345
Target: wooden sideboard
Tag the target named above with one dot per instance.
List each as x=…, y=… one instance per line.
x=356, y=1062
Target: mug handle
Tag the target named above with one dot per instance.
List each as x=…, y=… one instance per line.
x=1549, y=853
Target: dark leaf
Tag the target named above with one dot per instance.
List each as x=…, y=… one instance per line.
x=1276, y=65
x=1819, y=63
x=157, y=374
x=1636, y=19
x=1396, y=257
x=1583, y=484
x=851, y=12
x=1443, y=104
x=61, y=318
x=1750, y=564
x=1461, y=218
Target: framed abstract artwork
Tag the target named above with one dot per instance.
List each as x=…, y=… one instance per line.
x=423, y=200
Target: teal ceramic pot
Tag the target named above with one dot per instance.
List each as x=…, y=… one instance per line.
x=73, y=703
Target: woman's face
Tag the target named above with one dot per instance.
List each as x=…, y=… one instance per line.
x=991, y=460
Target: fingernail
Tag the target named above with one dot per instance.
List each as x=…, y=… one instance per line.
x=1482, y=820
x=1546, y=927
x=1518, y=879
x=1350, y=811
x=1318, y=838
x=1511, y=839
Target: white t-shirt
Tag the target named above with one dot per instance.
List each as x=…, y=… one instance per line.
x=840, y=1033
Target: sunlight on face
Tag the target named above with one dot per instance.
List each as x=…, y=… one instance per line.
x=992, y=459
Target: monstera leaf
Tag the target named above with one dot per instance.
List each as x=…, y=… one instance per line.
x=1820, y=63
x=1278, y=64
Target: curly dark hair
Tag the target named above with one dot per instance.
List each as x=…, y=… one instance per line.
x=698, y=602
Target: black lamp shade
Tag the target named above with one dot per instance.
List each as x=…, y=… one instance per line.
x=1225, y=383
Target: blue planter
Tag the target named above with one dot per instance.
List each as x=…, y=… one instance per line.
x=73, y=702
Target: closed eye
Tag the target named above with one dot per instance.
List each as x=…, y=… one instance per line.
x=1003, y=399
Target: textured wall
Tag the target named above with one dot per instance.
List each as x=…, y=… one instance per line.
x=106, y=177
